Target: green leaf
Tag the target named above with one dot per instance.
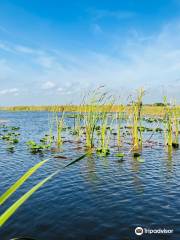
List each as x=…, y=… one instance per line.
x=76, y=160
x=11, y=210
x=20, y=181
x=141, y=160
x=120, y=155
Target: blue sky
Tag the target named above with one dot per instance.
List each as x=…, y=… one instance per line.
x=51, y=52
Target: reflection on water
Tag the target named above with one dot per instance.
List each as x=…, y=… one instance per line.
x=90, y=170
x=136, y=177
x=96, y=198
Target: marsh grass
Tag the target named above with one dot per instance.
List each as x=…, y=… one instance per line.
x=15, y=206
x=136, y=116
x=119, y=119
x=176, y=125
x=171, y=124
x=59, y=128
x=104, y=135
x=20, y=181
x=51, y=121
x=92, y=115
x=78, y=130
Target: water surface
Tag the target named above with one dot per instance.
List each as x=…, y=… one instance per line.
x=96, y=198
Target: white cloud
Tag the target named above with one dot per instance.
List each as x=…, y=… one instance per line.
x=45, y=61
x=48, y=85
x=5, y=47
x=60, y=89
x=152, y=61
x=11, y=91
x=24, y=49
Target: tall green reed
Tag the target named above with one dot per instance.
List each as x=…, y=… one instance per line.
x=136, y=116
x=59, y=127
x=171, y=124
x=91, y=116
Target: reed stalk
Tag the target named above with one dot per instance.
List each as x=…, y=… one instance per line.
x=137, y=108
x=168, y=123
x=59, y=127
x=91, y=115
x=176, y=124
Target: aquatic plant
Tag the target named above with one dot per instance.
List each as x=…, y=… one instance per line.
x=91, y=116
x=171, y=124
x=78, y=130
x=136, y=115
x=59, y=127
x=148, y=109
x=104, y=133
x=51, y=120
x=119, y=117
x=175, y=143
x=14, y=207
x=37, y=148
x=168, y=123
x=20, y=181
x=10, y=136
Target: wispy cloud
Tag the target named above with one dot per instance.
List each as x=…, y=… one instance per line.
x=152, y=61
x=24, y=49
x=5, y=47
x=48, y=85
x=11, y=91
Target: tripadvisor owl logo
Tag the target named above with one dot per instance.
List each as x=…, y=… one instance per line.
x=139, y=231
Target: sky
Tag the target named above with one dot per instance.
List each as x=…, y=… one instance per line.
x=53, y=51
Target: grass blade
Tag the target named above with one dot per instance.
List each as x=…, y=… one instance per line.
x=11, y=210
x=20, y=181
x=76, y=160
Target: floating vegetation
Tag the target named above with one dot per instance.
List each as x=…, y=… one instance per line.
x=10, y=136
x=136, y=155
x=141, y=160
x=120, y=155
x=37, y=148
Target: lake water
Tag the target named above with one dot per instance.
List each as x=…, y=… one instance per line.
x=96, y=198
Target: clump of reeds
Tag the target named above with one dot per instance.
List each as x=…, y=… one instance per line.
x=104, y=131
x=78, y=130
x=91, y=116
x=167, y=123
x=59, y=127
x=171, y=123
x=119, y=117
x=136, y=116
x=51, y=121
x=176, y=126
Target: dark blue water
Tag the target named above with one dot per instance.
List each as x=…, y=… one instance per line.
x=96, y=198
